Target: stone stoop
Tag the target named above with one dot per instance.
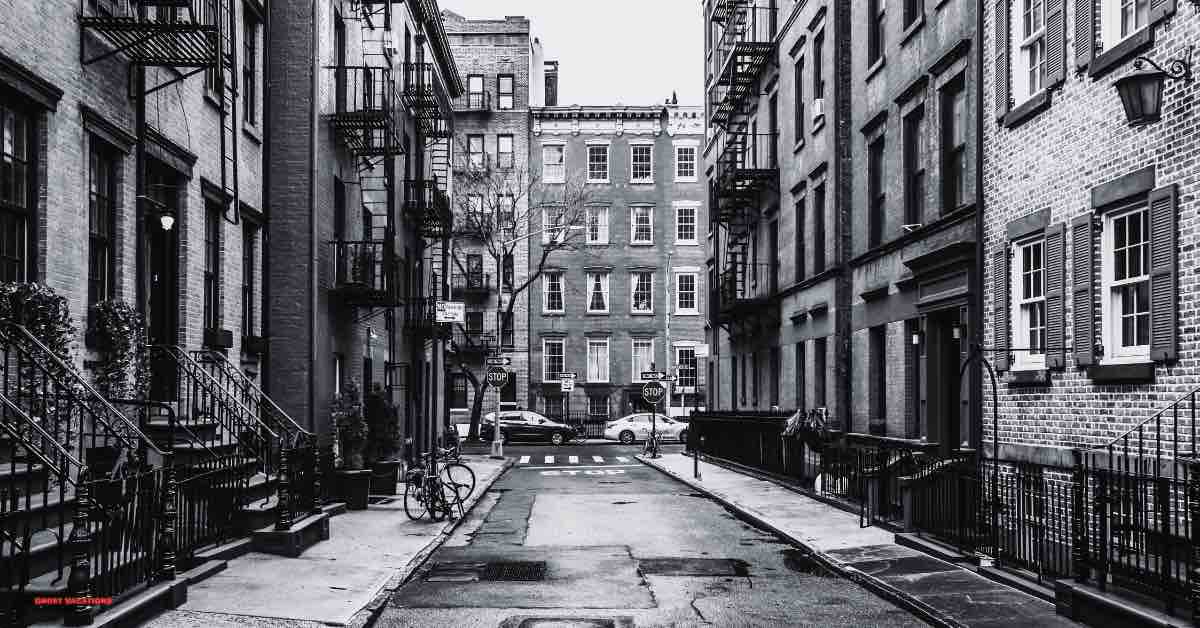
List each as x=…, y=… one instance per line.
x=1090, y=606
x=291, y=542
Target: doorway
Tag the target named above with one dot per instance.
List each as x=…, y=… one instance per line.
x=943, y=400
x=162, y=278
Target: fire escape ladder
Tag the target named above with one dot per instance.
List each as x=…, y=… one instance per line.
x=227, y=89
x=439, y=161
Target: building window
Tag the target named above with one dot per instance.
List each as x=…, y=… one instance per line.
x=506, y=330
x=643, y=357
x=642, y=225
x=954, y=145
x=598, y=407
x=642, y=293
x=458, y=391
x=1033, y=45
x=818, y=69
x=597, y=163
x=801, y=241
x=475, y=155
x=685, y=224
x=819, y=372
x=877, y=356
x=249, y=69
x=1029, y=316
x=801, y=376
x=553, y=217
x=685, y=163
x=102, y=229
x=553, y=170
x=597, y=360
x=875, y=192
x=16, y=199
x=1121, y=18
x=685, y=294
x=597, y=225
x=553, y=352
x=506, y=203
x=249, y=240
x=506, y=92
x=597, y=293
x=212, y=266
x=819, y=229
x=504, y=151
x=799, y=80
x=507, y=271
x=685, y=366
x=641, y=167
x=914, y=167
x=475, y=91
x=1126, y=273
x=475, y=212
x=875, y=38
x=552, y=293
x=508, y=394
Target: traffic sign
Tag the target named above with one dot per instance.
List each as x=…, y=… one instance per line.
x=497, y=377
x=653, y=375
x=669, y=378
x=653, y=392
x=567, y=385
x=568, y=375
x=498, y=361
x=701, y=350
x=450, y=312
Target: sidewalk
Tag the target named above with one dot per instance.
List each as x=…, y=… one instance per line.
x=336, y=582
x=939, y=592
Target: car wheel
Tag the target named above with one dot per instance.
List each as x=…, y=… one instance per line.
x=557, y=438
x=627, y=437
x=683, y=436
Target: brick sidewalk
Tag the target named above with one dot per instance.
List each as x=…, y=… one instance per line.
x=940, y=592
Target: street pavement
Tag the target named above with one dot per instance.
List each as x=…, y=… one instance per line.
x=592, y=537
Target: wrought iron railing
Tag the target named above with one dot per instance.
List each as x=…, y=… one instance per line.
x=427, y=205
x=467, y=282
x=748, y=31
x=361, y=268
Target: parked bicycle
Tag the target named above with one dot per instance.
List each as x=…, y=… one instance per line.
x=651, y=446
x=456, y=474
x=426, y=492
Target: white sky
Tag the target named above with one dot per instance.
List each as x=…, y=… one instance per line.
x=632, y=52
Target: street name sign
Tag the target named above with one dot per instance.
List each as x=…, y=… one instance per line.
x=497, y=377
x=653, y=376
x=499, y=361
x=653, y=392
x=450, y=312
x=570, y=376
x=701, y=350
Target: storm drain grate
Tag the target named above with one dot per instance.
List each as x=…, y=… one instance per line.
x=693, y=567
x=514, y=571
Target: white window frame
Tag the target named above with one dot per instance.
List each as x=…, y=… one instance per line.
x=636, y=369
x=633, y=149
x=1018, y=314
x=633, y=214
x=591, y=344
x=1110, y=304
x=591, y=286
x=679, y=309
x=562, y=289
x=547, y=376
x=600, y=214
x=1027, y=48
x=607, y=162
x=1110, y=21
x=679, y=349
x=558, y=175
x=475, y=209
x=547, y=222
x=694, y=208
x=633, y=284
x=695, y=161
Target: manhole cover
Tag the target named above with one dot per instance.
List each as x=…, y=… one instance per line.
x=515, y=571
x=693, y=567
x=567, y=622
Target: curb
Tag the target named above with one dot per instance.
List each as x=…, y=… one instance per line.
x=884, y=590
x=368, y=615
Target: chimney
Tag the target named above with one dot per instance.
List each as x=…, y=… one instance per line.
x=551, y=72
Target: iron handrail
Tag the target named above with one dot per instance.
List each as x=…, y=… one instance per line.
x=184, y=359
x=62, y=451
x=246, y=382
x=1173, y=406
x=94, y=396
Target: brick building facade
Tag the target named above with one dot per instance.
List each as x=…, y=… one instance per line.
x=630, y=290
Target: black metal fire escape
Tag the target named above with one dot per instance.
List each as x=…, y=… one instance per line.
x=747, y=168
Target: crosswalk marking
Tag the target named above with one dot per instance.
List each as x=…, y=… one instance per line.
x=622, y=459
x=597, y=458
x=524, y=459
x=573, y=459
x=549, y=459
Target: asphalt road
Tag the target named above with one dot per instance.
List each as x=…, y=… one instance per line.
x=622, y=545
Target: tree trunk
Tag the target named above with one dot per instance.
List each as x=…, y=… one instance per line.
x=480, y=387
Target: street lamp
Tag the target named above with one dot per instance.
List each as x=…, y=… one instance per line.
x=1141, y=91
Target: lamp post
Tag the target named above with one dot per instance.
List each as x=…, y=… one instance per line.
x=1141, y=91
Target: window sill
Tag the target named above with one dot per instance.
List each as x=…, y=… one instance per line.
x=687, y=313
x=252, y=132
x=642, y=182
x=686, y=243
x=597, y=181
x=554, y=180
x=641, y=313
x=1129, y=47
x=687, y=180
x=555, y=313
x=1027, y=110
x=1029, y=377
x=912, y=29
x=875, y=68
x=641, y=244
x=1131, y=373
x=596, y=313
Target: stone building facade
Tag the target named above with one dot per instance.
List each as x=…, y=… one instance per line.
x=629, y=291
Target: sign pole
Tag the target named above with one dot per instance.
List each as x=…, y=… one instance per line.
x=498, y=377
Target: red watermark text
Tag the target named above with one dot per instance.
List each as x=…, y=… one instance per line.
x=72, y=601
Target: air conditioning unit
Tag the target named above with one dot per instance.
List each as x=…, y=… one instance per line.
x=818, y=108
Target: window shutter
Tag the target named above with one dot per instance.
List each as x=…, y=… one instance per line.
x=1082, y=264
x=1055, y=319
x=1001, y=58
x=1000, y=306
x=1056, y=42
x=1085, y=32
x=1163, y=283
x=1160, y=9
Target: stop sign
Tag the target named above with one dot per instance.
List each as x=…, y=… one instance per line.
x=497, y=377
x=653, y=392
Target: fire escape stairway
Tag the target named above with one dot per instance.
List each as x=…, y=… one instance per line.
x=227, y=89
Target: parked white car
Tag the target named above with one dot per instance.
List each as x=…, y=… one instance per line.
x=636, y=427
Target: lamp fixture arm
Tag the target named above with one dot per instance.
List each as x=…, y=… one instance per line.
x=1177, y=68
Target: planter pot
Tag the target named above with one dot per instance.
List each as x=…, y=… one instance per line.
x=384, y=476
x=354, y=487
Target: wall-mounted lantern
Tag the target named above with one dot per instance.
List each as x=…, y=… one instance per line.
x=1141, y=91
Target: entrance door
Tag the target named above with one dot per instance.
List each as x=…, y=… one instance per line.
x=941, y=359
x=162, y=274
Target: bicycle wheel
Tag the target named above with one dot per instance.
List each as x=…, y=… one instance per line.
x=415, y=504
x=460, y=477
x=438, y=507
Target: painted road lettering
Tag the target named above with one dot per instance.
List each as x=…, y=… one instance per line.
x=573, y=472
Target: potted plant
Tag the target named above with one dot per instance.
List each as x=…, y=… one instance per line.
x=354, y=481
x=383, y=423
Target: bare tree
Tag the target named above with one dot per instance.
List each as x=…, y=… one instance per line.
x=498, y=208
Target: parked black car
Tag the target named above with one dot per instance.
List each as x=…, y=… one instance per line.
x=523, y=425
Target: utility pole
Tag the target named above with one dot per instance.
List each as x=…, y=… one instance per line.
x=670, y=384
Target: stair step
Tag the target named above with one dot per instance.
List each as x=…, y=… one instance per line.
x=10, y=471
